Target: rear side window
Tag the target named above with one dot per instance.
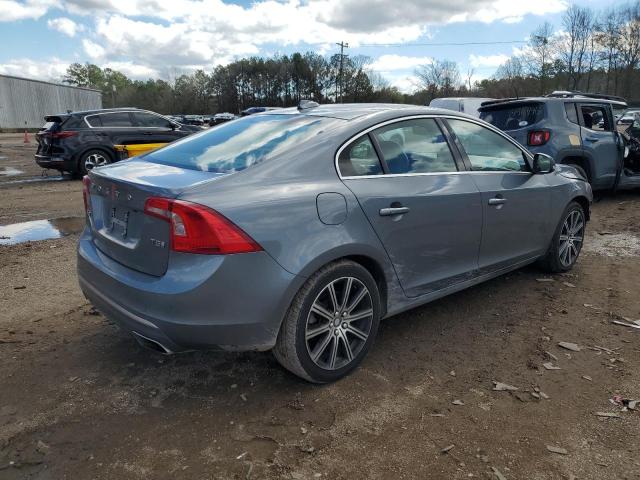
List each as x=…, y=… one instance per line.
x=94, y=120
x=595, y=117
x=144, y=119
x=572, y=114
x=488, y=151
x=415, y=146
x=119, y=119
x=359, y=159
x=235, y=146
x=512, y=117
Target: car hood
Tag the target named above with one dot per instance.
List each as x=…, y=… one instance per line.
x=568, y=171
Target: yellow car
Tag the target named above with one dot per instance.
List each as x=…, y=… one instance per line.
x=128, y=151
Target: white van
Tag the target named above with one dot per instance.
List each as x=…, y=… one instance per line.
x=468, y=105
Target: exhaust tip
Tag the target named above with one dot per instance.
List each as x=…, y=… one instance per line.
x=151, y=344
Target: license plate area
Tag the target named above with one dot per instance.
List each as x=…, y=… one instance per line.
x=118, y=222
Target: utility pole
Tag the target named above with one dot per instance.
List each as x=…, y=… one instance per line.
x=342, y=46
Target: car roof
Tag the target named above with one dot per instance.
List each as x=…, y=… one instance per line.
x=515, y=101
x=351, y=111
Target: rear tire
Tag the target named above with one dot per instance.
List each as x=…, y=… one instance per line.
x=331, y=324
x=91, y=159
x=567, y=240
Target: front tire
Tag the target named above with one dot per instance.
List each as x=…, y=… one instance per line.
x=331, y=324
x=567, y=241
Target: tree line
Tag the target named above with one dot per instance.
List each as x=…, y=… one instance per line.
x=593, y=51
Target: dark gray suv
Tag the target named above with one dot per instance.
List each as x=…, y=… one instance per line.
x=577, y=129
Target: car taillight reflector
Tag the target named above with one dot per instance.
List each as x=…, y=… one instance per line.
x=539, y=137
x=86, y=194
x=199, y=229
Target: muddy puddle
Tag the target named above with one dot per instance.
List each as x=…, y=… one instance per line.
x=613, y=245
x=34, y=179
x=10, y=171
x=40, y=230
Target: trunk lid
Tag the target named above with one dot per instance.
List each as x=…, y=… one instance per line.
x=53, y=124
x=121, y=230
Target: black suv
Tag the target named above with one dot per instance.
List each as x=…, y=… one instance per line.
x=78, y=141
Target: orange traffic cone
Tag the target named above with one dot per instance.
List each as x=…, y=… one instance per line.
x=26, y=137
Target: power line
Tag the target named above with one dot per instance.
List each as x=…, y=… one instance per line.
x=443, y=44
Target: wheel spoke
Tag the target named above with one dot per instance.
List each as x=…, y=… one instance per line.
x=347, y=347
x=334, y=298
x=319, y=350
x=359, y=316
x=357, y=333
x=564, y=238
x=577, y=228
x=347, y=292
x=361, y=294
x=334, y=352
x=320, y=310
x=318, y=331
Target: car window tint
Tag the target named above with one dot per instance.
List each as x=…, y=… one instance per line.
x=120, y=119
x=144, y=119
x=94, y=120
x=235, y=146
x=415, y=146
x=488, y=151
x=359, y=158
x=595, y=118
x=572, y=113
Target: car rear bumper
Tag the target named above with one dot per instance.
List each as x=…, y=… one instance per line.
x=54, y=162
x=231, y=302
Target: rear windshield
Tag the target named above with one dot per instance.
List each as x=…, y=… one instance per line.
x=512, y=117
x=236, y=145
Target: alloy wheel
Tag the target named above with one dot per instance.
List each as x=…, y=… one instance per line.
x=339, y=323
x=571, y=238
x=95, y=160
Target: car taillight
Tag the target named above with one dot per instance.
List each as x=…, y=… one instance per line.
x=539, y=137
x=86, y=194
x=199, y=229
x=65, y=134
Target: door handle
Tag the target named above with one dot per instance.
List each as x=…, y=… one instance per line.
x=497, y=201
x=147, y=133
x=387, y=212
x=592, y=139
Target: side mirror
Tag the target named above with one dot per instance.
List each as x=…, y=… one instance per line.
x=543, y=163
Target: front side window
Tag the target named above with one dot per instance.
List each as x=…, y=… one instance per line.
x=595, y=118
x=120, y=119
x=235, y=146
x=148, y=120
x=415, y=146
x=359, y=159
x=486, y=150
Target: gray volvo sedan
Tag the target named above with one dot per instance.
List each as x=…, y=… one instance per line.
x=299, y=229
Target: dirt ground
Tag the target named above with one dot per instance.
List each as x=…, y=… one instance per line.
x=79, y=400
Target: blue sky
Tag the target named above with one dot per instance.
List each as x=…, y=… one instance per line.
x=163, y=38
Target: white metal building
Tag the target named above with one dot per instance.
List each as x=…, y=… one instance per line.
x=24, y=102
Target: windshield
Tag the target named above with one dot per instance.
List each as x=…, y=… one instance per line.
x=512, y=117
x=239, y=144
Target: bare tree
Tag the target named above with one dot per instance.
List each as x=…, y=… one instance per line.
x=440, y=77
x=630, y=43
x=512, y=71
x=578, y=24
x=538, y=54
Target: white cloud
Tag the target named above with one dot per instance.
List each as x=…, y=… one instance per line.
x=132, y=70
x=50, y=70
x=65, y=25
x=157, y=35
x=11, y=10
x=404, y=83
x=388, y=63
x=481, y=61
